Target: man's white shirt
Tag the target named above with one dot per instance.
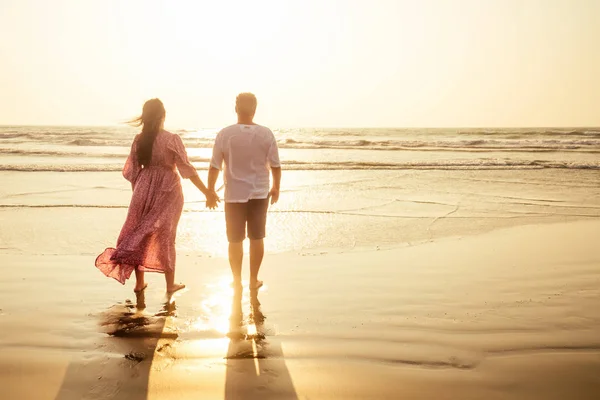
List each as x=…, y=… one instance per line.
x=248, y=151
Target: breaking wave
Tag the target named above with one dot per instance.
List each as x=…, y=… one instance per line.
x=341, y=165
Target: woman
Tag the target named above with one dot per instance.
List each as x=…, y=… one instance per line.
x=147, y=240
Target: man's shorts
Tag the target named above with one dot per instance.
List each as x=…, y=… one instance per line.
x=252, y=214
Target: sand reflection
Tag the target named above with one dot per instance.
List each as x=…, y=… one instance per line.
x=256, y=367
x=122, y=370
x=214, y=310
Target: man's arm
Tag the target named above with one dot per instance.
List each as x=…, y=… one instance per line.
x=275, y=164
x=213, y=171
x=216, y=162
x=274, y=193
x=213, y=174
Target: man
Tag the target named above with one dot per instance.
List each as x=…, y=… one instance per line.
x=249, y=151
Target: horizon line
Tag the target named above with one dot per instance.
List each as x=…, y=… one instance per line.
x=319, y=127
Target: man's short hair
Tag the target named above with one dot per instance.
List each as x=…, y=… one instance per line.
x=245, y=103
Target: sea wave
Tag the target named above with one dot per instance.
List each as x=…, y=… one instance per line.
x=60, y=153
x=394, y=144
x=472, y=139
x=341, y=165
x=57, y=153
x=124, y=130
x=466, y=145
x=482, y=145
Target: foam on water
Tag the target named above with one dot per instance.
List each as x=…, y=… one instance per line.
x=348, y=165
x=372, y=138
x=91, y=149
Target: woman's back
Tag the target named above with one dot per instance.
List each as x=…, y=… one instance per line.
x=163, y=150
x=168, y=152
x=147, y=239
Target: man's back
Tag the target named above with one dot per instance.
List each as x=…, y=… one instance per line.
x=248, y=151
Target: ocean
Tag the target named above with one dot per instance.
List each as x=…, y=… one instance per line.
x=102, y=148
x=342, y=189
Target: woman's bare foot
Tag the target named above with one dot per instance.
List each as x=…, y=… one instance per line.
x=175, y=287
x=140, y=300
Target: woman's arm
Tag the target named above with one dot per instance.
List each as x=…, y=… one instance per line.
x=199, y=184
x=212, y=198
x=188, y=171
x=132, y=167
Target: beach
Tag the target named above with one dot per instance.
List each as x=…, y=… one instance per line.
x=507, y=314
x=476, y=276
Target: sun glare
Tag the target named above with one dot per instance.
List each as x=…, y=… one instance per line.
x=216, y=309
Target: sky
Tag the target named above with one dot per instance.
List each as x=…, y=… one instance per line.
x=311, y=63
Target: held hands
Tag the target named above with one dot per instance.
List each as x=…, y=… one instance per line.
x=274, y=195
x=212, y=199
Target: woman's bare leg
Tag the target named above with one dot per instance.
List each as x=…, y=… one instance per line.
x=140, y=284
x=171, y=285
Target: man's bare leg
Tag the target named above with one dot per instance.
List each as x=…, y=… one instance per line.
x=257, y=252
x=236, y=255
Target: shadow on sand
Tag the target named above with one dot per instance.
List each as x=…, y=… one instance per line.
x=255, y=365
x=121, y=367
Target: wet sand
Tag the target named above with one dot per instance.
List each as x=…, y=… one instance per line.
x=510, y=314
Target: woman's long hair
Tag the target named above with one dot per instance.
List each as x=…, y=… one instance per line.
x=151, y=121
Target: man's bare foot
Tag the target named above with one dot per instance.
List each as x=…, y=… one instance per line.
x=236, y=284
x=255, y=285
x=140, y=289
x=175, y=287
